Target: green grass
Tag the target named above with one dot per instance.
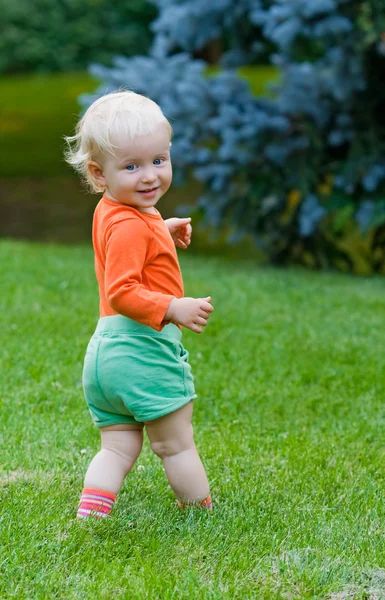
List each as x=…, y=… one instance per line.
x=289, y=423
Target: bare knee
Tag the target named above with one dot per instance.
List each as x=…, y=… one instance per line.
x=169, y=447
x=171, y=434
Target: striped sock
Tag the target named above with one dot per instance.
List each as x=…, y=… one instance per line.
x=95, y=503
x=204, y=504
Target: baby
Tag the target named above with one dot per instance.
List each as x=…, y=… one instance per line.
x=136, y=371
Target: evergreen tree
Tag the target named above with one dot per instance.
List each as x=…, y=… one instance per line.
x=302, y=171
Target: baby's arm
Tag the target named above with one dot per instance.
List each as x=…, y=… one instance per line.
x=180, y=230
x=128, y=247
x=125, y=291
x=193, y=313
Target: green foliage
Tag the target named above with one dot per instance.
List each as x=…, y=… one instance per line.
x=47, y=35
x=289, y=422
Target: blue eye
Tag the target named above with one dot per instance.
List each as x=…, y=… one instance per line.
x=130, y=167
x=158, y=161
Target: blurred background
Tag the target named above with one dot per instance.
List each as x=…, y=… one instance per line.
x=277, y=109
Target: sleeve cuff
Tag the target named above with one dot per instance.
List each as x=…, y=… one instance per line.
x=157, y=322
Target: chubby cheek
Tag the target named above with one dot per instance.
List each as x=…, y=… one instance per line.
x=128, y=182
x=167, y=177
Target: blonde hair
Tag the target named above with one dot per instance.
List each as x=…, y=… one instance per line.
x=116, y=114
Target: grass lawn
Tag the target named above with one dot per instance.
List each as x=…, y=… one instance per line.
x=289, y=422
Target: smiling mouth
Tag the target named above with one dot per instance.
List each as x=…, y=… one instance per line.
x=148, y=190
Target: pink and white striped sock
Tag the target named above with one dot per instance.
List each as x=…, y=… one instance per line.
x=95, y=503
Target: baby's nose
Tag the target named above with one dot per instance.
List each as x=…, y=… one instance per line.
x=148, y=176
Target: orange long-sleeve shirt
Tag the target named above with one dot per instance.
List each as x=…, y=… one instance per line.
x=136, y=263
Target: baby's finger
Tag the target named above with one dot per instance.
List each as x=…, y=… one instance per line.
x=206, y=306
x=200, y=321
x=181, y=244
x=204, y=314
x=196, y=328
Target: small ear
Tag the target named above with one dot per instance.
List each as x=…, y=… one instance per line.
x=96, y=172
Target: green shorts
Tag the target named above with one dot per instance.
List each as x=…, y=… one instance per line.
x=133, y=373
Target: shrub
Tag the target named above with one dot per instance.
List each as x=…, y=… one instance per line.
x=304, y=171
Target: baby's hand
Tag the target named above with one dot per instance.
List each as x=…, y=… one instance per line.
x=193, y=313
x=180, y=230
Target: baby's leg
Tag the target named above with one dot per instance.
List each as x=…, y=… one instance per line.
x=121, y=446
x=171, y=438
